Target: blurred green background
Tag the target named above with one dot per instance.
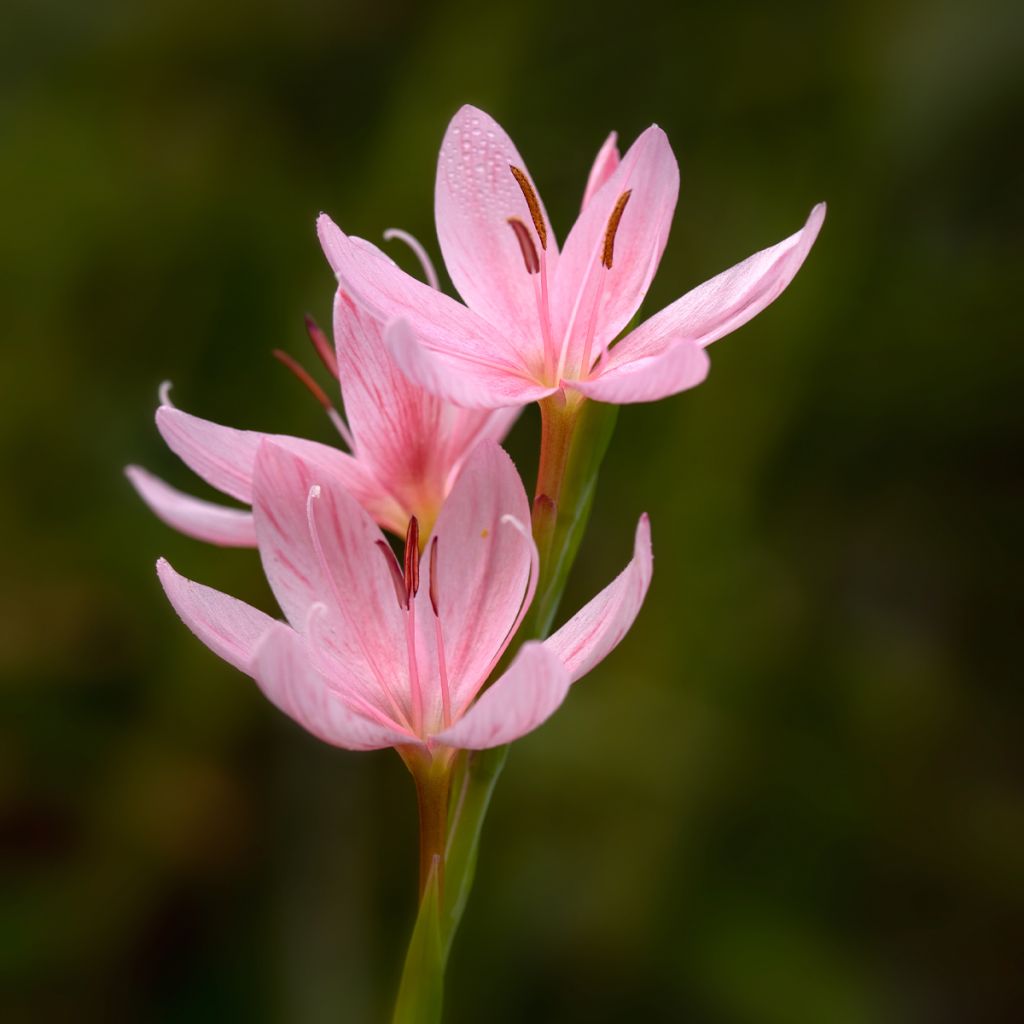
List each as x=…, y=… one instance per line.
x=793, y=794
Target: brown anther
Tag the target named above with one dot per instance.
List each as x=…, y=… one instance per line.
x=433, y=577
x=303, y=375
x=412, y=559
x=322, y=346
x=522, y=233
x=395, y=572
x=533, y=203
x=613, y=226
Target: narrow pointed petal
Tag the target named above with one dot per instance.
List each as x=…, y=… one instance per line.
x=650, y=174
x=728, y=301
x=225, y=457
x=340, y=566
x=283, y=671
x=483, y=566
x=605, y=163
x=647, y=379
x=204, y=520
x=597, y=628
x=474, y=197
x=527, y=695
x=395, y=424
x=229, y=627
x=441, y=324
x=458, y=377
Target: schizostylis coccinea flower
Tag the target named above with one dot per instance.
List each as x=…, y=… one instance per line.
x=537, y=319
x=380, y=654
x=406, y=445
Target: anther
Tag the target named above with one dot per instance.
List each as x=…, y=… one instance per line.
x=412, y=560
x=613, y=226
x=322, y=346
x=533, y=203
x=522, y=233
x=300, y=371
x=395, y=572
x=433, y=577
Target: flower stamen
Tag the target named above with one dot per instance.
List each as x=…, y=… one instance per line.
x=533, y=203
x=442, y=664
x=318, y=393
x=526, y=245
x=613, y=226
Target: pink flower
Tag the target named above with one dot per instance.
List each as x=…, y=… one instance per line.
x=375, y=654
x=537, y=319
x=407, y=446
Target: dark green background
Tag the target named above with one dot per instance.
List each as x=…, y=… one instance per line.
x=793, y=795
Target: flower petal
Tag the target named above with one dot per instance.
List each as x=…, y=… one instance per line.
x=225, y=457
x=441, y=324
x=728, y=301
x=525, y=696
x=458, y=377
x=474, y=197
x=229, y=627
x=323, y=548
x=596, y=629
x=683, y=365
x=604, y=167
x=216, y=524
x=284, y=672
x=650, y=174
x=483, y=566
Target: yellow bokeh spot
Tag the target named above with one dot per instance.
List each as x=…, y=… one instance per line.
x=484, y=532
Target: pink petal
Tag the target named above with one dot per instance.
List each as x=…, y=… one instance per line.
x=483, y=566
x=524, y=697
x=458, y=377
x=395, y=424
x=225, y=457
x=216, y=524
x=650, y=173
x=595, y=631
x=284, y=672
x=474, y=197
x=229, y=627
x=340, y=566
x=604, y=167
x=727, y=301
x=441, y=324
x=683, y=365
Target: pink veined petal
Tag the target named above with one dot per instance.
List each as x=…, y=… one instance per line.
x=224, y=457
x=283, y=671
x=324, y=549
x=650, y=174
x=604, y=167
x=527, y=694
x=229, y=627
x=474, y=197
x=647, y=379
x=397, y=426
x=459, y=378
x=216, y=524
x=483, y=566
x=597, y=628
x=441, y=324
x=728, y=301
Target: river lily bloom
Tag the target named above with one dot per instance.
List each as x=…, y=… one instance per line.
x=376, y=654
x=406, y=445
x=538, y=320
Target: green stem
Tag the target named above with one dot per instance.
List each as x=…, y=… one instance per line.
x=574, y=438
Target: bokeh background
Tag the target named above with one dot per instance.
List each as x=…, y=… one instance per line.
x=793, y=795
